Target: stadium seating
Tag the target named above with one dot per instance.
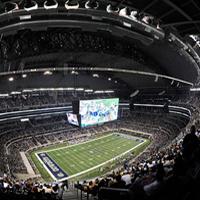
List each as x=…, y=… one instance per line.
x=163, y=153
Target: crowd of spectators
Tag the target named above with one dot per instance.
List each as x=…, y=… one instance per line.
x=41, y=100
x=163, y=164
x=30, y=189
x=21, y=137
x=171, y=173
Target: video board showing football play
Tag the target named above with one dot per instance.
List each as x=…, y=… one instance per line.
x=98, y=111
x=72, y=119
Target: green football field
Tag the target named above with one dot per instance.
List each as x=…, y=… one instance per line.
x=82, y=158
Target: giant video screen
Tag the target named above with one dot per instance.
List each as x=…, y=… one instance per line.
x=98, y=111
x=72, y=119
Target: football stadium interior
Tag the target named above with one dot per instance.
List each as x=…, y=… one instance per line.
x=99, y=99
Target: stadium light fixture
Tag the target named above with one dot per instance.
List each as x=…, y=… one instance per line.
x=74, y=72
x=27, y=90
x=30, y=5
x=125, y=12
x=99, y=92
x=48, y=72
x=109, y=91
x=24, y=120
x=95, y=75
x=103, y=91
x=11, y=6
x=133, y=15
x=194, y=89
x=91, y=4
x=112, y=9
x=15, y=92
x=71, y=4
x=50, y=4
x=88, y=90
x=24, y=75
x=79, y=89
x=11, y=79
x=4, y=95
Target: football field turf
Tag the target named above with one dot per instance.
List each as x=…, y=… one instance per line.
x=69, y=161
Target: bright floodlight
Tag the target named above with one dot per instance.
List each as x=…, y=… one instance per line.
x=50, y=4
x=124, y=12
x=48, y=72
x=11, y=79
x=111, y=9
x=91, y=4
x=71, y=4
x=133, y=15
x=11, y=6
x=30, y=5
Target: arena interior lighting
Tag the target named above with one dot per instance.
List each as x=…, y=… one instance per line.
x=194, y=89
x=95, y=75
x=92, y=4
x=103, y=91
x=50, y=4
x=10, y=79
x=79, y=89
x=4, y=95
x=133, y=15
x=71, y=4
x=112, y=9
x=15, y=92
x=11, y=6
x=124, y=12
x=30, y=5
x=24, y=120
x=48, y=73
x=88, y=90
x=147, y=19
x=74, y=72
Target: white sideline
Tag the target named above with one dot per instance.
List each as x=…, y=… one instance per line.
x=97, y=166
x=90, y=169
x=52, y=176
x=75, y=144
x=46, y=168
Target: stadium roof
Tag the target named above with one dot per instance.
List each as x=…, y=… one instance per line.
x=127, y=54
x=179, y=14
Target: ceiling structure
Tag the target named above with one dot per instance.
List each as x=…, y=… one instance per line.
x=126, y=54
x=184, y=16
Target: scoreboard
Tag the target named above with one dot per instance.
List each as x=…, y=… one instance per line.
x=93, y=112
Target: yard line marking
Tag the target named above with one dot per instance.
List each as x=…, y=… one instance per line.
x=92, y=163
x=46, y=151
x=100, y=165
